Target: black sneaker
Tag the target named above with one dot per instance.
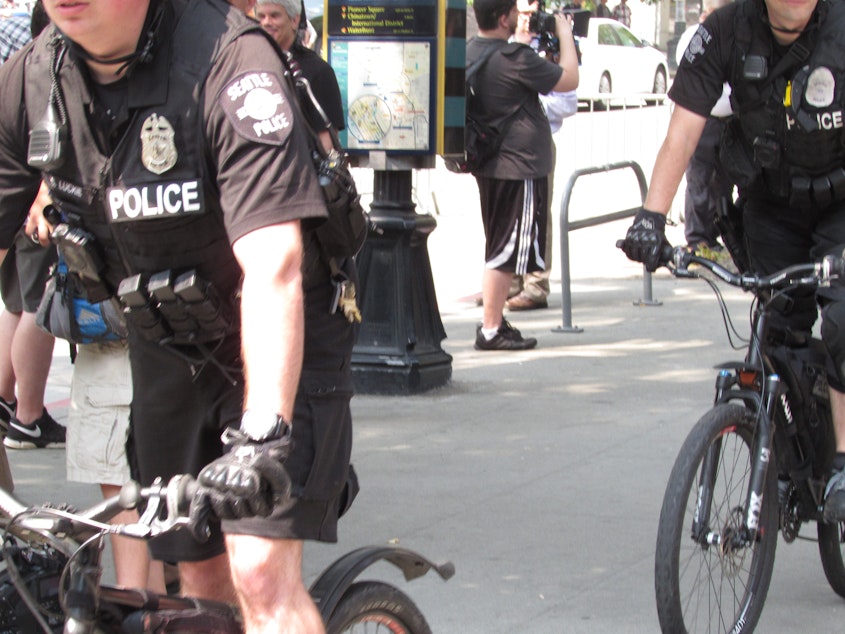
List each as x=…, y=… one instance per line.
x=508, y=338
x=7, y=413
x=41, y=433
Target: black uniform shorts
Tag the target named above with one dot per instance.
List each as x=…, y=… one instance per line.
x=324, y=483
x=24, y=274
x=514, y=214
x=778, y=236
x=180, y=410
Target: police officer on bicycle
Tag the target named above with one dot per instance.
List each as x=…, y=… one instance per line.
x=165, y=132
x=784, y=149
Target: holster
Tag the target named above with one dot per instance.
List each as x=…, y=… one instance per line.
x=729, y=224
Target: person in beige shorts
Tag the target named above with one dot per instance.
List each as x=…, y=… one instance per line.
x=97, y=431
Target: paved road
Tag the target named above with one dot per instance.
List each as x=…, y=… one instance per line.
x=540, y=474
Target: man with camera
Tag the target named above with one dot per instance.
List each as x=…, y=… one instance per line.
x=513, y=185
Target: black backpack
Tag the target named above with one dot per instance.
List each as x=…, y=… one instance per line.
x=482, y=139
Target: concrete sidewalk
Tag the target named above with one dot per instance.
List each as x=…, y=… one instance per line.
x=540, y=474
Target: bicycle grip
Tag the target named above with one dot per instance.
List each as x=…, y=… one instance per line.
x=193, y=503
x=667, y=251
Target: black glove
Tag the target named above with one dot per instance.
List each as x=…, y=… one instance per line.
x=248, y=481
x=646, y=239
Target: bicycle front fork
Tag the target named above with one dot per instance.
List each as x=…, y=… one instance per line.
x=761, y=455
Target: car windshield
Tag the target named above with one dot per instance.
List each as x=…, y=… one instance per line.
x=628, y=38
x=607, y=36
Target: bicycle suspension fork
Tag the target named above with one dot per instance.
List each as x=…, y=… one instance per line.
x=761, y=455
x=760, y=458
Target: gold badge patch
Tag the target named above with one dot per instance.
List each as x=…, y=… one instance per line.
x=158, y=150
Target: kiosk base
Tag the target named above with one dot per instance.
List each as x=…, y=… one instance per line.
x=398, y=349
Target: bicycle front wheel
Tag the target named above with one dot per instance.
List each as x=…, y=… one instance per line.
x=709, y=575
x=373, y=607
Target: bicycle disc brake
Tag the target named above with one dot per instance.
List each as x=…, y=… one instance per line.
x=733, y=546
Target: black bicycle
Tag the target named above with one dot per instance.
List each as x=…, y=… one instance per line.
x=51, y=581
x=756, y=464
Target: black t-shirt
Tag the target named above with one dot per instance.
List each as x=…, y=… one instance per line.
x=323, y=82
x=706, y=64
x=510, y=82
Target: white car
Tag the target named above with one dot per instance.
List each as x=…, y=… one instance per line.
x=614, y=60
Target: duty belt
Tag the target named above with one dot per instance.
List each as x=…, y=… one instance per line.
x=821, y=191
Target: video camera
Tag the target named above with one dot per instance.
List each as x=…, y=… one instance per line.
x=544, y=25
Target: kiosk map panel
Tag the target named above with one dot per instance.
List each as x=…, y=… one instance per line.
x=386, y=88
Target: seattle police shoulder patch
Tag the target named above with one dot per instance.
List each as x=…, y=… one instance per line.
x=257, y=107
x=698, y=44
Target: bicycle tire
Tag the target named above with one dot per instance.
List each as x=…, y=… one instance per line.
x=373, y=604
x=832, y=552
x=702, y=588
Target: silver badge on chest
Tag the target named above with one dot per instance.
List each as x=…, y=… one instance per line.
x=158, y=149
x=820, y=88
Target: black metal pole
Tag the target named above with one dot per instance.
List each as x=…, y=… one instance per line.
x=398, y=349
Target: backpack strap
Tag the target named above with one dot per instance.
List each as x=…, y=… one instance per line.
x=477, y=67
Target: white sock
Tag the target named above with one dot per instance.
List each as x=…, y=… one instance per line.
x=489, y=333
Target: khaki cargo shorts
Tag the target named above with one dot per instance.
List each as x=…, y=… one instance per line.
x=98, y=420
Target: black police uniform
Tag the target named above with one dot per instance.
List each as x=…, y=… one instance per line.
x=197, y=147
x=784, y=145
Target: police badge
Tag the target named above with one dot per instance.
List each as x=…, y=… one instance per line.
x=158, y=150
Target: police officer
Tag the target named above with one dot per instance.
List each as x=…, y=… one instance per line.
x=784, y=150
x=170, y=145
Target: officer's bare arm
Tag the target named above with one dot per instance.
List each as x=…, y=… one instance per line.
x=685, y=128
x=273, y=317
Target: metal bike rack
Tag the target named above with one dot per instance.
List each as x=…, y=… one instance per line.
x=566, y=227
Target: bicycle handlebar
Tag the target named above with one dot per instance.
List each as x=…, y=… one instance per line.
x=167, y=509
x=819, y=273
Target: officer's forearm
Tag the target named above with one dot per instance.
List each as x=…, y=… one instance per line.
x=272, y=317
x=685, y=129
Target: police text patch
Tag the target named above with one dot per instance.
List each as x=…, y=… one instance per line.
x=257, y=107
x=155, y=200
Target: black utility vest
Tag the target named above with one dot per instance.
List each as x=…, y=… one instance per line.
x=790, y=126
x=150, y=204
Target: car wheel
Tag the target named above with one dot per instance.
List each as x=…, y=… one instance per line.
x=659, y=87
x=605, y=86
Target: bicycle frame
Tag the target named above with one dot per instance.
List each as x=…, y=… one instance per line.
x=758, y=386
x=754, y=465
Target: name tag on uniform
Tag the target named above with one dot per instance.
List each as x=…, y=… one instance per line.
x=156, y=200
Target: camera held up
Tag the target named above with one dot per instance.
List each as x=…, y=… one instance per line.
x=544, y=25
